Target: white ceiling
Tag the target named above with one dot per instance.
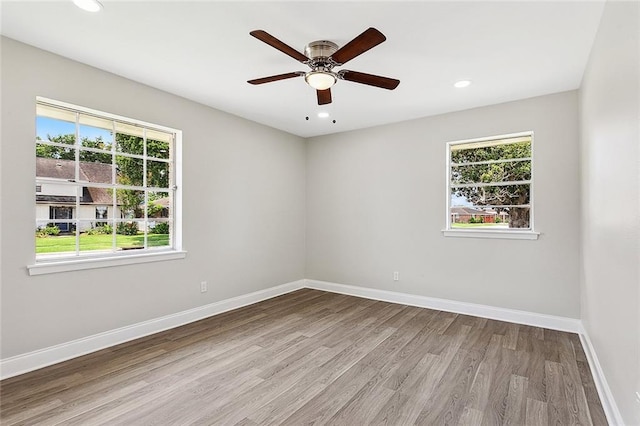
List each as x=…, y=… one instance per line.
x=202, y=51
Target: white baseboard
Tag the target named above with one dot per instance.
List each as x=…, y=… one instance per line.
x=24, y=363
x=503, y=314
x=606, y=397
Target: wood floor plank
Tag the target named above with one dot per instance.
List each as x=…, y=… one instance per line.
x=313, y=357
x=470, y=417
x=556, y=403
x=536, y=414
x=495, y=409
x=478, y=396
x=516, y=409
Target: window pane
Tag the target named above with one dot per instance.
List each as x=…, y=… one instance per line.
x=55, y=124
x=95, y=167
x=477, y=217
x=131, y=144
x=130, y=203
x=465, y=154
x=158, y=148
x=487, y=173
x=95, y=238
x=518, y=217
x=49, y=151
x=159, y=233
x=128, y=235
x=158, y=174
x=160, y=205
x=51, y=240
x=96, y=132
x=62, y=170
x=494, y=195
x=95, y=203
x=129, y=170
x=489, y=218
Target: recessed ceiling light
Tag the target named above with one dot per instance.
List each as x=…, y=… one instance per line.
x=462, y=83
x=88, y=5
x=323, y=114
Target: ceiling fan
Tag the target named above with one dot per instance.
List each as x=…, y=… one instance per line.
x=322, y=56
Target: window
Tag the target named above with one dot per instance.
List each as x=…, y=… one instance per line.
x=101, y=212
x=106, y=186
x=489, y=187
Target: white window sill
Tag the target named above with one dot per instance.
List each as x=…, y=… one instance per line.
x=66, y=265
x=481, y=233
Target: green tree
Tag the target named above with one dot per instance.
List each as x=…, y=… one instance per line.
x=69, y=153
x=131, y=170
x=496, y=172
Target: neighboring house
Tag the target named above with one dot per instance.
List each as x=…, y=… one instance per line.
x=462, y=214
x=58, y=201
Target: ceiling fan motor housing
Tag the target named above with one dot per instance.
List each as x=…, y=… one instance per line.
x=320, y=49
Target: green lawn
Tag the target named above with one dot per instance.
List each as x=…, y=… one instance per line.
x=479, y=225
x=98, y=242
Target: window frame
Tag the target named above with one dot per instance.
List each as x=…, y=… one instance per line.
x=505, y=233
x=72, y=262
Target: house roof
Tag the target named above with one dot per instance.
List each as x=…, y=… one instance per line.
x=463, y=210
x=165, y=202
x=54, y=168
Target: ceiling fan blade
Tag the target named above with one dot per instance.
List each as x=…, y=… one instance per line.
x=274, y=78
x=274, y=42
x=324, y=96
x=370, y=79
x=365, y=41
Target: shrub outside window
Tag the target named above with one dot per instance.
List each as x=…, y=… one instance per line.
x=107, y=184
x=489, y=184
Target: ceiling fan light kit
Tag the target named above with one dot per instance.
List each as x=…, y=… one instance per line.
x=322, y=56
x=320, y=80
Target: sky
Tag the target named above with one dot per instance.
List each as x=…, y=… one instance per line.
x=459, y=201
x=50, y=126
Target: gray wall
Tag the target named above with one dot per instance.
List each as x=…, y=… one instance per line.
x=610, y=120
x=376, y=204
x=243, y=201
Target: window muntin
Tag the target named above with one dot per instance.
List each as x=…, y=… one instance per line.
x=489, y=184
x=109, y=184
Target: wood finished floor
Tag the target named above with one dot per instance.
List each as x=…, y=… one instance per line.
x=311, y=357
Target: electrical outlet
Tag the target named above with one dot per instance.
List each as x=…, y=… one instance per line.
x=396, y=276
x=203, y=287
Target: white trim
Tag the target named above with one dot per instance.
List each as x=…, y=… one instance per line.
x=488, y=184
x=497, y=138
x=606, y=397
x=492, y=312
x=53, y=267
x=481, y=233
x=477, y=163
x=24, y=363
